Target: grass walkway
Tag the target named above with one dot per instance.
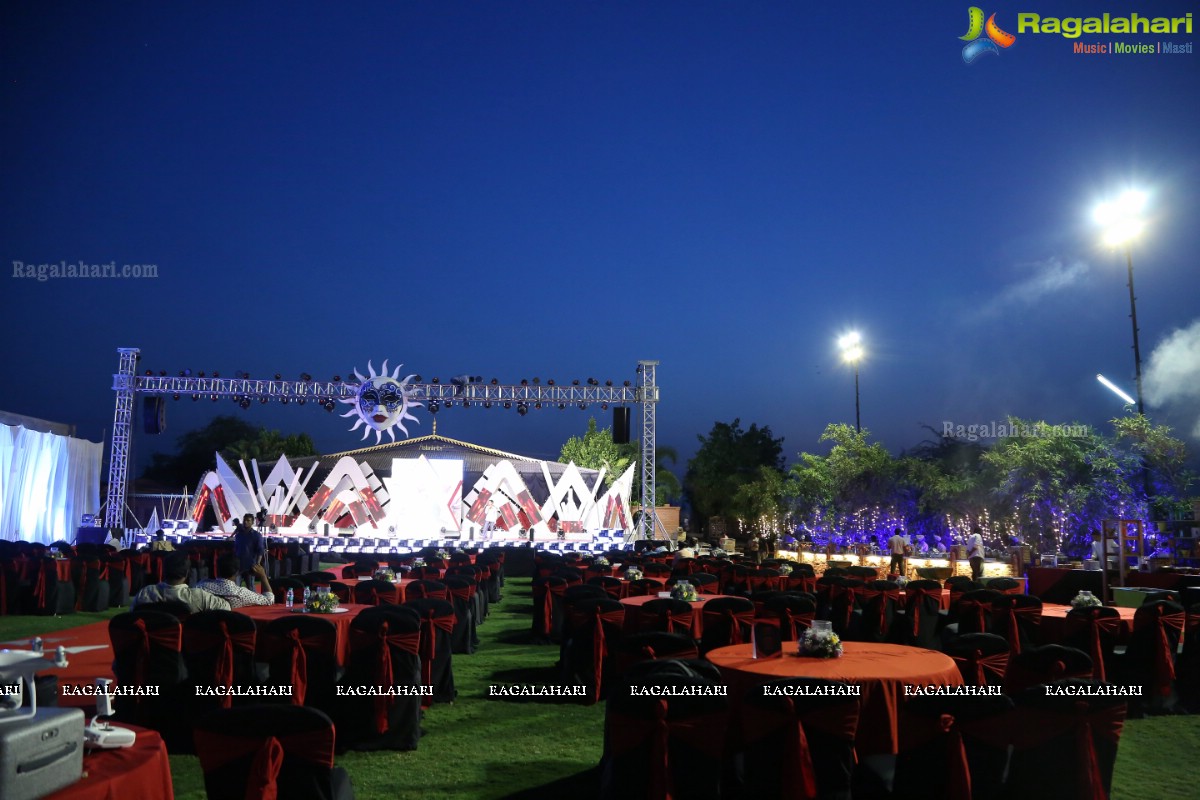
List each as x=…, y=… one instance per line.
x=489, y=748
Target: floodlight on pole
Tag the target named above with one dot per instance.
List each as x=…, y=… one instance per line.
x=1116, y=390
x=852, y=352
x=1122, y=222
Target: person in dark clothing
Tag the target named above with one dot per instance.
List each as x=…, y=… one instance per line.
x=248, y=547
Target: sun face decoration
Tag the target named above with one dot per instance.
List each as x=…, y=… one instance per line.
x=382, y=403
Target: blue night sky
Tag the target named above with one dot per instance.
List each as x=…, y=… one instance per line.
x=559, y=189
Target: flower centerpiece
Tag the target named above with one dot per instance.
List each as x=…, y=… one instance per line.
x=901, y=581
x=683, y=590
x=418, y=562
x=600, y=561
x=785, y=569
x=443, y=555
x=322, y=601
x=717, y=552
x=385, y=574
x=820, y=643
x=633, y=574
x=1085, y=599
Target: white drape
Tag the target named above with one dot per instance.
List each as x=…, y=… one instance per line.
x=47, y=482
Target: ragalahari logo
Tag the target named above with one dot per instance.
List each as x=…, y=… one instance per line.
x=976, y=46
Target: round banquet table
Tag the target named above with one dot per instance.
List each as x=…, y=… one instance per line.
x=632, y=604
x=882, y=670
x=264, y=614
x=140, y=771
x=401, y=587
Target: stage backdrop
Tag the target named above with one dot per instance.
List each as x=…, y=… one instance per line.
x=47, y=482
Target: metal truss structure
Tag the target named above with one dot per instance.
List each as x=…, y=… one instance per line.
x=325, y=394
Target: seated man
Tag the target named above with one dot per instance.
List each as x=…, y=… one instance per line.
x=225, y=584
x=160, y=543
x=174, y=587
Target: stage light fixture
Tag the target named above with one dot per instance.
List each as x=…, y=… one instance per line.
x=181, y=373
x=304, y=376
x=284, y=400
x=626, y=384
x=201, y=374
x=195, y=397
x=508, y=404
x=214, y=397
x=176, y=395
x=522, y=409
x=416, y=378
x=538, y=406
x=582, y=406
x=608, y=383
x=562, y=406
x=162, y=373
x=263, y=400
x=466, y=403
x=215, y=374
x=300, y=401
x=329, y=405
x=575, y=382
x=436, y=380
x=550, y=382
x=495, y=382
x=434, y=406
x=337, y=378
x=149, y=373
x=524, y=382
x=245, y=403
x=604, y=406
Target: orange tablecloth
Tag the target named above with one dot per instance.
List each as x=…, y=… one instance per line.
x=1054, y=622
x=882, y=670
x=140, y=771
x=632, y=605
x=264, y=614
x=401, y=587
x=945, y=598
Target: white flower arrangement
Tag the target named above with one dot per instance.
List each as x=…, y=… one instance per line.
x=385, y=575
x=600, y=561
x=820, y=644
x=443, y=555
x=322, y=602
x=633, y=574
x=785, y=569
x=683, y=590
x=1085, y=599
x=901, y=581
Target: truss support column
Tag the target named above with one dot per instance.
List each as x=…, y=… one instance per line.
x=647, y=381
x=118, y=454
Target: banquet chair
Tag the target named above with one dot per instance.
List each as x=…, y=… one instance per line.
x=1095, y=631
x=615, y=587
x=705, y=583
x=280, y=586
x=974, y=612
x=92, y=589
x=426, y=573
x=864, y=574
x=642, y=646
x=726, y=621
x=218, y=649
x=148, y=651
x=798, y=739
x=270, y=751
x=300, y=651
x=764, y=580
x=548, y=609
x=573, y=577
x=664, y=746
x=342, y=590
x=1149, y=659
x=365, y=568
x=372, y=592
x=321, y=577
x=667, y=615
x=461, y=593
x=50, y=595
x=120, y=577
x=384, y=650
x=437, y=666
x=1188, y=662
x=1004, y=585
x=176, y=608
x=953, y=747
x=657, y=569
x=1018, y=618
x=1064, y=745
x=843, y=599
x=878, y=612
x=642, y=587
x=494, y=565
x=793, y=612
x=981, y=658
x=596, y=626
x=922, y=613
x=1045, y=664
x=422, y=589
x=960, y=585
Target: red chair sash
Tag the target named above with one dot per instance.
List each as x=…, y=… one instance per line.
x=919, y=731
x=669, y=621
x=869, y=594
x=1041, y=725
x=915, y=600
x=736, y=620
x=297, y=647
x=383, y=640
x=1096, y=625
x=548, y=593
x=140, y=637
x=218, y=749
x=980, y=609
x=464, y=593
x=430, y=625
x=1012, y=616
x=600, y=645
x=850, y=593
x=229, y=644
x=1164, y=653
x=626, y=734
x=978, y=667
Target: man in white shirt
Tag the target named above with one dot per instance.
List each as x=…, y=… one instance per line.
x=975, y=552
x=1110, y=547
x=174, y=587
x=225, y=586
x=898, y=546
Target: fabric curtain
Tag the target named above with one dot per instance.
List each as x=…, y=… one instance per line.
x=47, y=482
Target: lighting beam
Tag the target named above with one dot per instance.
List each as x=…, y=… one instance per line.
x=1116, y=390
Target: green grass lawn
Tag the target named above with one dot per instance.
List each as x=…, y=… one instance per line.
x=489, y=748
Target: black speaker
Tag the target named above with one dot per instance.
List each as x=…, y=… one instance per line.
x=621, y=425
x=154, y=415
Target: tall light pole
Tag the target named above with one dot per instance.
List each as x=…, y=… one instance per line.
x=1122, y=223
x=852, y=352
